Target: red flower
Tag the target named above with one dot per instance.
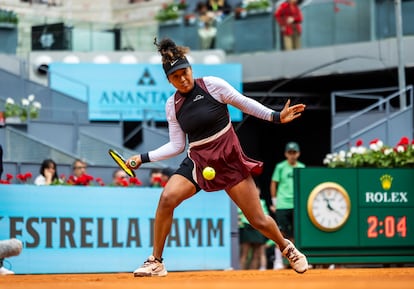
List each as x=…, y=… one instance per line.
x=359, y=143
x=23, y=178
x=374, y=141
x=135, y=181
x=404, y=141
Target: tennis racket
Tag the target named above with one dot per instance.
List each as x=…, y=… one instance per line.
x=119, y=159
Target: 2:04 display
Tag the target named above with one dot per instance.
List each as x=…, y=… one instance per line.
x=389, y=227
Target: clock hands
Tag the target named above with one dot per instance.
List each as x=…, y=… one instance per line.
x=328, y=205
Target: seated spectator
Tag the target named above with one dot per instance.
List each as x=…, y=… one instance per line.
x=155, y=178
x=48, y=174
x=159, y=177
x=166, y=173
x=120, y=178
x=79, y=175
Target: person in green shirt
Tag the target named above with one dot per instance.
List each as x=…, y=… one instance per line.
x=282, y=192
x=252, y=242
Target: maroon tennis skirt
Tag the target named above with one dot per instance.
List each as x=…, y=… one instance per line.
x=223, y=153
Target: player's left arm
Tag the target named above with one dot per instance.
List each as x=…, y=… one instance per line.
x=223, y=92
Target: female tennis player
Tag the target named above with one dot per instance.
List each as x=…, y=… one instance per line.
x=198, y=110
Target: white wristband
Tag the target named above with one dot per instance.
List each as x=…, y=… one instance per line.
x=274, y=201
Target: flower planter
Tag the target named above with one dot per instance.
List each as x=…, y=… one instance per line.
x=5, y=25
x=13, y=120
x=172, y=22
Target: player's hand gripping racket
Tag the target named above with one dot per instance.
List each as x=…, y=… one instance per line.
x=121, y=162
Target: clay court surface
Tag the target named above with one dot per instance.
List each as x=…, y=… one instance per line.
x=375, y=278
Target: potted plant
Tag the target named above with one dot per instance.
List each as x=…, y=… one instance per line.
x=171, y=12
x=19, y=112
x=8, y=18
x=377, y=155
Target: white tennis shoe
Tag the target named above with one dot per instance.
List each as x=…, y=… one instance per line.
x=4, y=271
x=296, y=259
x=151, y=267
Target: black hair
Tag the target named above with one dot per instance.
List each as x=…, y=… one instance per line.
x=172, y=56
x=45, y=165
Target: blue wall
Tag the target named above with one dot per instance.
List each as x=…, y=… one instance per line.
x=67, y=229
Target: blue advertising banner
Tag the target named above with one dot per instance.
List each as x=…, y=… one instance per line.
x=74, y=229
x=131, y=92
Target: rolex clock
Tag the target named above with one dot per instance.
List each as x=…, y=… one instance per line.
x=329, y=206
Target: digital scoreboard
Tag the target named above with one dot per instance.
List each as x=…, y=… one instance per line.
x=355, y=215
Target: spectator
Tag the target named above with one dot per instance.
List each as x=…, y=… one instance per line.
x=282, y=193
x=207, y=30
x=79, y=175
x=155, y=178
x=79, y=168
x=119, y=178
x=220, y=8
x=289, y=17
x=166, y=173
x=48, y=173
x=252, y=243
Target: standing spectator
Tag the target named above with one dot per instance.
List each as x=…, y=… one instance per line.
x=48, y=173
x=252, y=242
x=289, y=17
x=282, y=193
x=207, y=30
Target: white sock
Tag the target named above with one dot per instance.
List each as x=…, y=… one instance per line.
x=278, y=257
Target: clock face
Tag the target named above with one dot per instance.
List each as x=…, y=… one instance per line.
x=329, y=206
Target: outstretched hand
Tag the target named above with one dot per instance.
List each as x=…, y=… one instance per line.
x=289, y=113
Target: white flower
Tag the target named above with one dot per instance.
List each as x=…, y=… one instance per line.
x=388, y=151
x=25, y=102
x=37, y=105
x=9, y=100
x=361, y=150
x=31, y=97
x=400, y=149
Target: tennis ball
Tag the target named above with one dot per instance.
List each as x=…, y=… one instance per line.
x=209, y=173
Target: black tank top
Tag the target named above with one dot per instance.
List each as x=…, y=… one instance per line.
x=199, y=114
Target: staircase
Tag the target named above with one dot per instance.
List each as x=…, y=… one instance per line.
x=382, y=118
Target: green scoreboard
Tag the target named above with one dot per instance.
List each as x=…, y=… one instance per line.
x=355, y=215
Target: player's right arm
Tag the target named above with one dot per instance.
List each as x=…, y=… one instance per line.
x=175, y=146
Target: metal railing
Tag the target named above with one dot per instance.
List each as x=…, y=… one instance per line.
x=385, y=119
